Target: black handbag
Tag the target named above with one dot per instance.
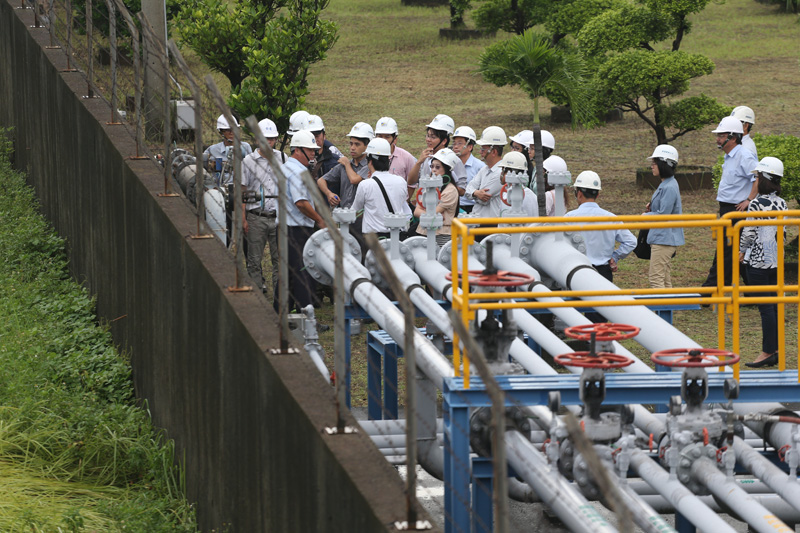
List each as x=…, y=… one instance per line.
x=642, y=249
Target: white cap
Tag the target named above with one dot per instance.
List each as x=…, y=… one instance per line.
x=525, y=138
x=465, y=132
x=442, y=123
x=362, y=130
x=588, y=179
x=222, y=123
x=378, y=146
x=268, y=128
x=548, y=141
x=515, y=161
x=555, y=164
x=744, y=114
x=729, y=125
x=314, y=123
x=386, y=126
x=297, y=122
x=448, y=157
x=303, y=139
x=769, y=165
x=493, y=136
x=665, y=152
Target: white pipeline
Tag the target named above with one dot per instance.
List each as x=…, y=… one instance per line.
x=771, y=475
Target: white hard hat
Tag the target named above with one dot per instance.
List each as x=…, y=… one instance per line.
x=222, y=123
x=588, y=179
x=303, y=139
x=362, y=130
x=525, y=138
x=448, y=157
x=666, y=153
x=729, y=125
x=378, y=146
x=548, y=141
x=770, y=165
x=514, y=161
x=465, y=132
x=442, y=123
x=297, y=122
x=314, y=123
x=268, y=128
x=386, y=126
x=555, y=164
x=744, y=114
x=493, y=136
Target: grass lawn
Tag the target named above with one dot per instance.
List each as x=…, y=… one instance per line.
x=389, y=61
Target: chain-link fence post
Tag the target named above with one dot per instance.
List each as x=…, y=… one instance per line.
x=237, y=183
x=497, y=396
x=112, y=45
x=283, y=269
x=137, y=67
x=89, y=51
x=199, y=181
x=411, y=370
x=156, y=47
x=68, y=10
x=36, y=23
x=51, y=25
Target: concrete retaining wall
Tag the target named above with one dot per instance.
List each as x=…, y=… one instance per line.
x=248, y=424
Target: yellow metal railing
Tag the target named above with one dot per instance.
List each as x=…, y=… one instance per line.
x=728, y=298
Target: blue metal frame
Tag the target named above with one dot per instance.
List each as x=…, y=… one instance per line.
x=648, y=388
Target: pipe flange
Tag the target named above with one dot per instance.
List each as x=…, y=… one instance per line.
x=606, y=430
x=372, y=264
x=702, y=425
x=315, y=245
x=417, y=241
x=445, y=254
x=583, y=475
x=688, y=455
x=480, y=424
x=479, y=250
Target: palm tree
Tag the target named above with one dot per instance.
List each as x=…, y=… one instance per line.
x=539, y=68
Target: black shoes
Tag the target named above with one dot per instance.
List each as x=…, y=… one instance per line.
x=772, y=360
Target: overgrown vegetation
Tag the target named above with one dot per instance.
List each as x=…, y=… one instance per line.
x=76, y=453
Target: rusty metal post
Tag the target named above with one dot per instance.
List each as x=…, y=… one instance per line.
x=112, y=42
x=89, y=50
x=51, y=18
x=237, y=183
x=199, y=182
x=36, y=23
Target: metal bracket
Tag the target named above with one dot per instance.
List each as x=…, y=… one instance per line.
x=289, y=351
x=420, y=525
x=244, y=288
x=347, y=430
x=168, y=194
x=202, y=236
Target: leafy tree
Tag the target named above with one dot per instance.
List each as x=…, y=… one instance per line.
x=539, y=68
x=263, y=47
x=633, y=72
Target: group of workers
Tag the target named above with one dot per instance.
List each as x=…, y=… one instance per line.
x=380, y=177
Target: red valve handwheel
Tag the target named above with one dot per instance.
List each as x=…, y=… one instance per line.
x=504, y=193
x=503, y=278
x=419, y=198
x=603, y=360
x=605, y=331
x=694, y=357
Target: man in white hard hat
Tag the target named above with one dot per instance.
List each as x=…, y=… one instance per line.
x=437, y=137
x=737, y=186
x=348, y=173
x=464, y=140
x=401, y=161
x=219, y=157
x=260, y=216
x=601, y=246
x=330, y=155
x=382, y=192
x=748, y=120
x=301, y=216
x=484, y=189
x=517, y=162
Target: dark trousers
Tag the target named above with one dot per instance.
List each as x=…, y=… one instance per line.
x=605, y=271
x=769, y=312
x=301, y=284
x=727, y=255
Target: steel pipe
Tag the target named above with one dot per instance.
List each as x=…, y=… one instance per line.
x=677, y=494
x=771, y=475
x=728, y=491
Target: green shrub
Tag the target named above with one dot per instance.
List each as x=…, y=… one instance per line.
x=784, y=147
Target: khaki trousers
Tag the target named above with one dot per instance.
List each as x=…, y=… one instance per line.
x=660, y=257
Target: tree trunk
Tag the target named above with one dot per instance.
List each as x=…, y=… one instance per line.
x=537, y=142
